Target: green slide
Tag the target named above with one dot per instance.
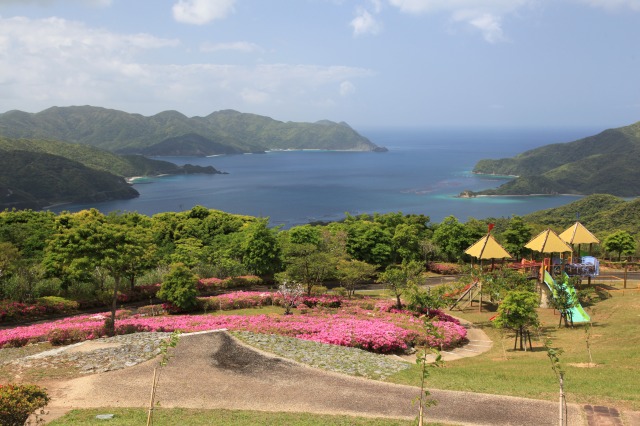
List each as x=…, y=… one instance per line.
x=577, y=313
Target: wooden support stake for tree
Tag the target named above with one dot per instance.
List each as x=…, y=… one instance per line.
x=153, y=394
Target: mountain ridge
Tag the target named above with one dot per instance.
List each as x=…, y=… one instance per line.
x=172, y=133
x=602, y=163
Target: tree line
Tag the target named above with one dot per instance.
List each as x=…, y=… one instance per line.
x=92, y=256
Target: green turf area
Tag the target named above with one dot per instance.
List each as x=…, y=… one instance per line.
x=614, y=341
x=192, y=417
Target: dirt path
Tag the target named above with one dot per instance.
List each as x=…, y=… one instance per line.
x=213, y=370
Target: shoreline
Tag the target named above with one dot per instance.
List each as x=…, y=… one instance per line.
x=495, y=175
x=520, y=195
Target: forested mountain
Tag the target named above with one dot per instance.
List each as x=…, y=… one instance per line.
x=172, y=133
x=35, y=173
x=604, y=163
x=601, y=214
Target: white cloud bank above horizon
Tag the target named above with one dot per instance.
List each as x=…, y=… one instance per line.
x=47, y=62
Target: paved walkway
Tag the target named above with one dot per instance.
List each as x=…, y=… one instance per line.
x=213, y=370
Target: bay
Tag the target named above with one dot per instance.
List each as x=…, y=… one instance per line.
x=422, y=173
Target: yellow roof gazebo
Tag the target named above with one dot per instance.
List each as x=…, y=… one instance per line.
x=487, y=248
x=578, y=234
x=548, y=242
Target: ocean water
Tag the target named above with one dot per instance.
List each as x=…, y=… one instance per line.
x=422, y=173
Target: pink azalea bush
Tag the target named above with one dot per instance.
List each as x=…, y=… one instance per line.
x=208, y=285
x=353, y=324
x=445, y=268
x=16, y=311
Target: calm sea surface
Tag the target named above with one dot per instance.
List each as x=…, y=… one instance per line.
x=422, y=173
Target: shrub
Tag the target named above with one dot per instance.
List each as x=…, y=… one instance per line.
x=58, y=305
x=151, y=310
x=445, y=268
x=318, y=290
x=322, y=301
x=47, y=287
x=243, y=281
x=340, y=291
x=67, y=336
x=179, y=288
x=207, y=285
x=17, y=402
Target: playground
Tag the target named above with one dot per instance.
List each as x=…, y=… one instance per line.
x=597, y=339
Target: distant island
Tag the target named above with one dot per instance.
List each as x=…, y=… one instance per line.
x=85, y=154
x=605, y=163
x=171, y=133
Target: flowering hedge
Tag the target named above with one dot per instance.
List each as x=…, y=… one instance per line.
x=207, y=285
x=16, y=311
x=445, y=268
x=376, y=331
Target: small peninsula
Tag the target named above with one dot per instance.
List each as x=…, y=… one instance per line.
x=601, y=164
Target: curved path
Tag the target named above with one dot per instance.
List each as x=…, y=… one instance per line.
x=214, y=370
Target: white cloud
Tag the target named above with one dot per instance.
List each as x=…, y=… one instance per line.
x=365, y=23
x=101, y=3
x=483, y=15
x=239, y=46
x=201, y=12
x=46, y=62
x=614, y=4
x=347, y=88
x=486, y=23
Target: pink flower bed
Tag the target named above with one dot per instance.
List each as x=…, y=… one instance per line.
x=375, y=330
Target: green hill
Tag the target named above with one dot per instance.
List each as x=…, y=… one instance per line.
x=172, y=133
x=35, y=179
x=600, y=213
x=604, y=163
x=37, y=173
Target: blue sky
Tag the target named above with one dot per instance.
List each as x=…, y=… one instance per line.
x=366, y=62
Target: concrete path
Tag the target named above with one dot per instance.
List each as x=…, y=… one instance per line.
x=214, y=370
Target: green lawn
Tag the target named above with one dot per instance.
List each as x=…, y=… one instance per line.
x=191, y=417
x=615, y=342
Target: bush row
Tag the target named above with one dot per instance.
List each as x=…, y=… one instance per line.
x=44, y=306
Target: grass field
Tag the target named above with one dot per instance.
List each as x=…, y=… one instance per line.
x=614, y=341
x=187, y=417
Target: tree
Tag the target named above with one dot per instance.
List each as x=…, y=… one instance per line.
x=86, y=241
x=516, y=236
x=369, y=242
x=453, y=238
x=406, y=242
x=259, y=249
x=9, y=257
x=290, y=291
x=518, y=312
x=621, y=242
x=308, y=265
x=398, y=279
x=179, y=287
x=353, y=272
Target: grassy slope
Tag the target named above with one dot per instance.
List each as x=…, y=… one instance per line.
x=614, y=342
x=192, y=417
